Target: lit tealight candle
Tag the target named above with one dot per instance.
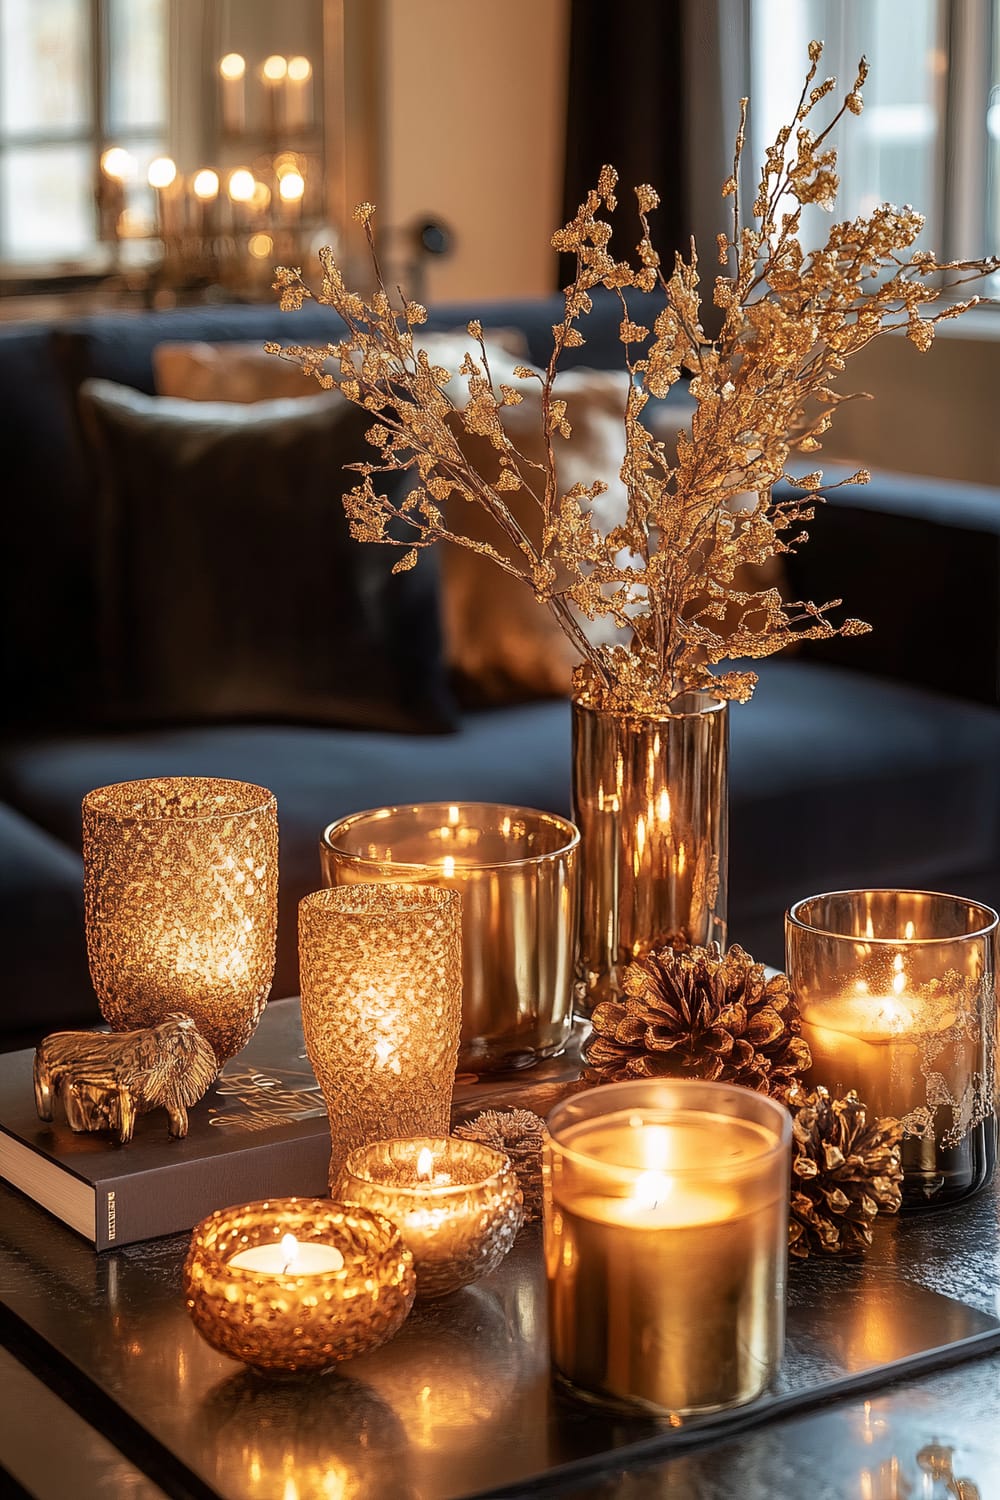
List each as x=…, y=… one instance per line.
x=289, y=1258
x=314, y=1282
x=458, y=1204
x=666, y=1212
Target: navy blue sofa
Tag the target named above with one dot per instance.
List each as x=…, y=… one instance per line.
x=871, y=761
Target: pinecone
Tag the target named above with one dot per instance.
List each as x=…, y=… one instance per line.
x=518, y=1134
x=843, y=1172
x=700, y=1015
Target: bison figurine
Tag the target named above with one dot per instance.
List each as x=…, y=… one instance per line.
x=104, y=1079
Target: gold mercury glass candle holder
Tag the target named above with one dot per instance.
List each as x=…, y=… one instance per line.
x=181, y=902
x=516, y=870
x=898, y=997
x=666, y=1224
x=294, y=1285
x=458, y=1204
x=381, y=975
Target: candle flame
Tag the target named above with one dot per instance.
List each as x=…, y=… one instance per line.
x=664, y=806
x=909, y=931
x=425, y=1165
x=205, y=184
x=299, y=69
x=651, y=1188
x=290, y=1252
x=453, y=816
x=291, y=187
x=448, y=864
x=894, y=1017
x=232, y=66
x=275, y=68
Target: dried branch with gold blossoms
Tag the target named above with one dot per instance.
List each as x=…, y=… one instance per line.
x=671, y=572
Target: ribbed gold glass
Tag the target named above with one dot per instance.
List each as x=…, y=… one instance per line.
x=458, y=1204
x=898, y=997
x=181, y=901
x=650, y=798
x=381, y=975
x=516, y=870
x=298, y=1321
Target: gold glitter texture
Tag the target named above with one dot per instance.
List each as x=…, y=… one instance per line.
x=180, y=893
x=297, y=1322
x=381, y=975
x=669, y=571
x=458, y=1204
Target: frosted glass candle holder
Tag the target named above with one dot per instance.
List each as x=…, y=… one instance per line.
x=898, y=997
x=381, y=975
x=181, y=903
x=516, y=870
x=666, y=1224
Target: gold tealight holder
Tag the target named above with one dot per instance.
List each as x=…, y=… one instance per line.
x=381, y=975
x=457, y=1203
x=181, y=903
x=297, y=1284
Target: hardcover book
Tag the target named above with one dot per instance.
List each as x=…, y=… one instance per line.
x=261, y=1131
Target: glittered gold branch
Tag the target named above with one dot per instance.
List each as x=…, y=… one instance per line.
x=671, y=572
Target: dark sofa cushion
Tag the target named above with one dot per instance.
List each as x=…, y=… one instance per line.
x=230, y=585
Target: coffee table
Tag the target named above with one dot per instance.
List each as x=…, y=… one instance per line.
x=109, y=1391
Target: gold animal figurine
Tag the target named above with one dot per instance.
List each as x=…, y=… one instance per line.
x=105, y=1079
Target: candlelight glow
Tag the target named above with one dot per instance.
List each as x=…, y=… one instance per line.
x=448, y=864
x=118, y=164
x=289, y=1252
x=425, y=1164
x=299, y=69
x=275, y=68
x=232, y=66
x=205, y=184
x=260, y=246
x=241, y=185
x=651, y=1189
x=261, y=196
x=162, y=172
x=291, y=187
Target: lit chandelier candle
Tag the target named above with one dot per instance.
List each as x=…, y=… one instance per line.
x=381, y=976
x=297, y=1284
x=457, y=1203
x=898, y=998
x=666, y=1222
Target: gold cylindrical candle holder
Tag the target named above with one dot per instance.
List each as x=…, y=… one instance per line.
x=898, y=997
x=297, y=1284
x=666, y=1224
x=516, y=870
x=381, y=974
x=181, y=902
x=650, y=797
x=457, y=1203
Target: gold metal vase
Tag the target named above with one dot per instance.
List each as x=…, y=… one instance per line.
x=650, y=798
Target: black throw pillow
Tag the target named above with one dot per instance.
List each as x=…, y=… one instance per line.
x=230, y=586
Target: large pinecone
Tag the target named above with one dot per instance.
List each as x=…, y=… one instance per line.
x=844, y=1171
x=700, y=1015
x=518, y=1134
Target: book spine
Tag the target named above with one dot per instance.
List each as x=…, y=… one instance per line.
x=169, y=1199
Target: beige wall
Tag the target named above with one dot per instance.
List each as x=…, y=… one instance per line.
x=936, y=413
x=473, y=111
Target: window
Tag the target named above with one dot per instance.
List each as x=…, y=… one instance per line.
x=930, y=131
x=75, y=77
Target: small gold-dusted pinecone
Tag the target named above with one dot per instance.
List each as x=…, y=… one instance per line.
x=700, y=1015
x=844, y=1172
x=518, y=1134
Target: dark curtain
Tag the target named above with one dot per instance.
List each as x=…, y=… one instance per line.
x=626, y=106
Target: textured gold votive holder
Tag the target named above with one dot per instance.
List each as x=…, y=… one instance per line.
x=298, y=1322
x=899, y=1003
x=458, y=1204
x=181, y=903
x=666, y=1225
x=381, y=976
x=516, y=870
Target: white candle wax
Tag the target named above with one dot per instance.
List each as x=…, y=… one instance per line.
x=289, y=1257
